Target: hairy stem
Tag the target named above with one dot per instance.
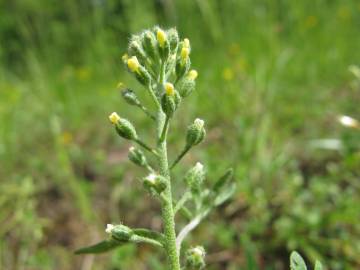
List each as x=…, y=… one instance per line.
x=167, y=207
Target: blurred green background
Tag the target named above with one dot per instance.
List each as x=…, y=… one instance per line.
x=273, y=78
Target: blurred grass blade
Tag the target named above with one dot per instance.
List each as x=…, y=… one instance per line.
x=100, y=247
x=297, y=262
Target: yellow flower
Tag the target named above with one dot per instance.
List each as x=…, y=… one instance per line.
x=228, y=74
x=133, y=64
x=192, y=74
x=66, y=138
x=114, y=118
x=344, y=13
x=185, y=53
x=186, y=43
x=161, y=37
x=169, y=89
x=311, y=21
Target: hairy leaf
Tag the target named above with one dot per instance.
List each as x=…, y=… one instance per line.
x=297, y=262
x=100, y=247
x=223, y=180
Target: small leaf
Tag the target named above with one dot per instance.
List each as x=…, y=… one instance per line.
x=224, y=194
x=100, y=247
x=223, y=180
x=150, y=234
x=297, y=262
x=318, y=265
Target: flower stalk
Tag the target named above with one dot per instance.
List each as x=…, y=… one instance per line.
x=158, y=60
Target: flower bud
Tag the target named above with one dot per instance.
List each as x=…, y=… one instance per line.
x=170, y=100
x=195, y=133
x=170, y=65
x=192, y=75
x=186, y=43
x=119, y=232
x=137, y=157
x=163, y=42
x=187, y=85
x=173, y=39
x=155, y=182
x=133, y=64
x=114, y=118
x=123, y=127
x=140, y=72
x=182, y=65
x=161, y=37
x=136, y=49
x=149, y=43
x=195, y=177
x=130, y=97
x=195, y=258
x=185, y=52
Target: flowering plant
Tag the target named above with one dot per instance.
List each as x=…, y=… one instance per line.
x=161, y=63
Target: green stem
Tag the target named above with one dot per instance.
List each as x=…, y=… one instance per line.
x=165, y=128
x=167, y=206
x=182, y=154
x=145, y=146
x=185, y=197
x=146, y=111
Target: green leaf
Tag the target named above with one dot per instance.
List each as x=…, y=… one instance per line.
x=318, y=265
x=297, y=262
x=150, y=234
x=100, y=247
x=223, y=180
x=224, y=194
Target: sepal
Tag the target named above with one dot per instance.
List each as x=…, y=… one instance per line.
x=155, y=182
x=123, y=127
x=130, y=97
x=137, y=157
x=195, y=177
x=195, y=133
x=195, y=258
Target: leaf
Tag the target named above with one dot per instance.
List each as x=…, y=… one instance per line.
x=297, y=262
x=318, y=265
x=223, y=180
x=150, y=234
x=224, y=194
x=100, y=247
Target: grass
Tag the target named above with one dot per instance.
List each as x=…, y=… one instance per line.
x=272, y=77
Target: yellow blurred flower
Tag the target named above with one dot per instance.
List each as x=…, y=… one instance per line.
x=311, y=21
x=66, y=138
x=344, y=13
x=83, y=73
x=228, y=74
